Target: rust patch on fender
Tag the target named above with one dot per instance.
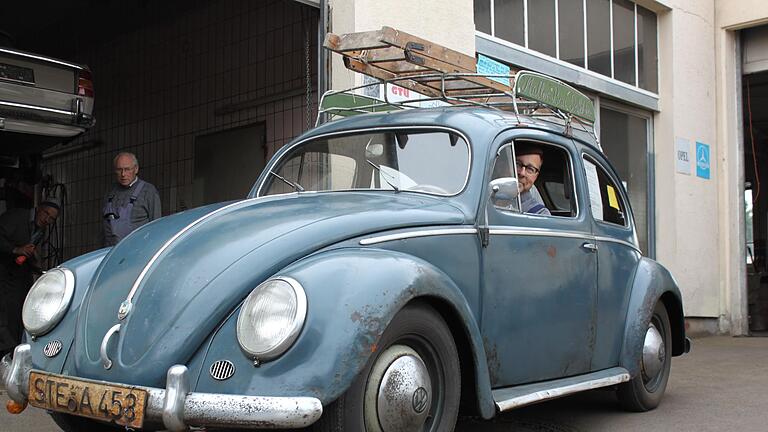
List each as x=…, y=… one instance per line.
x=552, y=251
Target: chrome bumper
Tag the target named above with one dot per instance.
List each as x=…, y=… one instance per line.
x=178, y=409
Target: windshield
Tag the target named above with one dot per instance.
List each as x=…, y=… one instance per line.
x=404, y=160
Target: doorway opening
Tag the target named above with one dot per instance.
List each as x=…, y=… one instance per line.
x=755, y=107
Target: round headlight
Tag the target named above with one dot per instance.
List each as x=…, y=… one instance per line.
x=271, y=318
x=48, y=301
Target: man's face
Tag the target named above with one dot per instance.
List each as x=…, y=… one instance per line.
x=528, y=167
x=125, y=170
x=45, y=216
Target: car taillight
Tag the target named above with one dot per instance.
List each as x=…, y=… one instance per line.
x=85, y=83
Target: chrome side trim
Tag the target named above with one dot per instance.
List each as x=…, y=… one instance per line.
x=539, y=232
x=105, y=360
x=413, y=234
x=37, y=108
x=126, y=305
x=621, y=242
x=556, y=392
x=501, y=230
x=39, y=57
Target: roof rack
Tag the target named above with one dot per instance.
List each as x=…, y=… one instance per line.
x=439, y=75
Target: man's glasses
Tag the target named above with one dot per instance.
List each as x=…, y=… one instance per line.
x=529, y=169
x=124, y=170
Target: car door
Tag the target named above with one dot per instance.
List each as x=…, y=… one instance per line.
x=539, y=276
x=617, y=256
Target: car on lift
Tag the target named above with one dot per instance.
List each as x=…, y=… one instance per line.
x=382, y=275
x=43, y=101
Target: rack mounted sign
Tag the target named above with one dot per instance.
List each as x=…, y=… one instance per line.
x=549, y=91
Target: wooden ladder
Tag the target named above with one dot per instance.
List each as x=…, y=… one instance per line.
x=417, y=64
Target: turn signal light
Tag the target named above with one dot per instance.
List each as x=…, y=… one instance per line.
x=14, y=407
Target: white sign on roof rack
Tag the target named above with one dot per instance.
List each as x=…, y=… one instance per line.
x=396, y=94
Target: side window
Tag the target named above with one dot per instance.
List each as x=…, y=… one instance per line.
x=544, y=174
x=604, y=197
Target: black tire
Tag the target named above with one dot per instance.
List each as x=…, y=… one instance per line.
x=420, y=328
x=642, y=394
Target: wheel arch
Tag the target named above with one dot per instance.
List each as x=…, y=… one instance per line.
x=473, y=395
x=353, y=294
x=674, y=308
x=652, y=284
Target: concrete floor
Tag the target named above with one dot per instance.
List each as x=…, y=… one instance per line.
x=722, y=385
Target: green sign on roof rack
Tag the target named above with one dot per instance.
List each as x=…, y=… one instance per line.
x=347, y=104
x=554, y=93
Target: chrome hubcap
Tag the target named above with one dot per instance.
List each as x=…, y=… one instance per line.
x=399, y=392
x=654, y=354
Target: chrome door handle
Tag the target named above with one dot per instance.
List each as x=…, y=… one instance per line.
x=589, y=246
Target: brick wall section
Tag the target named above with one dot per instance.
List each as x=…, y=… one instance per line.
x=162, y=84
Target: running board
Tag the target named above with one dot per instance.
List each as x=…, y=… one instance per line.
x=515, y=397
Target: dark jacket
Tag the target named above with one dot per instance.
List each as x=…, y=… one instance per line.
x=15, y=280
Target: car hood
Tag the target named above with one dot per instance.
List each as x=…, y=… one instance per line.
x=196, y=267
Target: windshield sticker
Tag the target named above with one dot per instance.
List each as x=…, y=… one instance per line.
x=595, y=196
x=612, y=201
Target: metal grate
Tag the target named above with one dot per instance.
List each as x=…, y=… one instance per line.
x=52, y=348
x=222, y=369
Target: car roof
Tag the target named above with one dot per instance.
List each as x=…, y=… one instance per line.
x=476, y=122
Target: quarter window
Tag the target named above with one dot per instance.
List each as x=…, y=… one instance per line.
x=604, y=196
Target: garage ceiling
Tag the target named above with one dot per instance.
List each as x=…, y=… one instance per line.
x=58, y=28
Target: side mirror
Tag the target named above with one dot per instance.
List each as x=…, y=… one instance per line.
x=504, y=192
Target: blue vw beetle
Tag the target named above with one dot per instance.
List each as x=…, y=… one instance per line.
x=385, y=273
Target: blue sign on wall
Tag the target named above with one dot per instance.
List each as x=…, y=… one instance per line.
x=702, y=160
x=489, y=66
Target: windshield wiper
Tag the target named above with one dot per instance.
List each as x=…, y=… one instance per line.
x=383, y=175
x=297, y=187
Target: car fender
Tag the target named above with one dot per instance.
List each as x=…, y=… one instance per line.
x=652, y=283
x=83, y=268
x=352, y=296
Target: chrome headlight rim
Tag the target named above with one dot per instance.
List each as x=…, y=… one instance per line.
x=69, y=290
x=296, y=326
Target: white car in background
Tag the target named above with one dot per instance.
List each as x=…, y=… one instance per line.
x=43, y=101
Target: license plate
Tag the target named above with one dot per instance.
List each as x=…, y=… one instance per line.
x=123, y=405
x=17, y=73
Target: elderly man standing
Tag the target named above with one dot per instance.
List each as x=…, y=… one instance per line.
x=21, y=233
x=130, y=204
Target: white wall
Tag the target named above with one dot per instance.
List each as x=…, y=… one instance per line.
x=447, y=23
x=686, y=205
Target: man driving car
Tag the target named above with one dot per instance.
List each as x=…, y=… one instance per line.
x=529, y=159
